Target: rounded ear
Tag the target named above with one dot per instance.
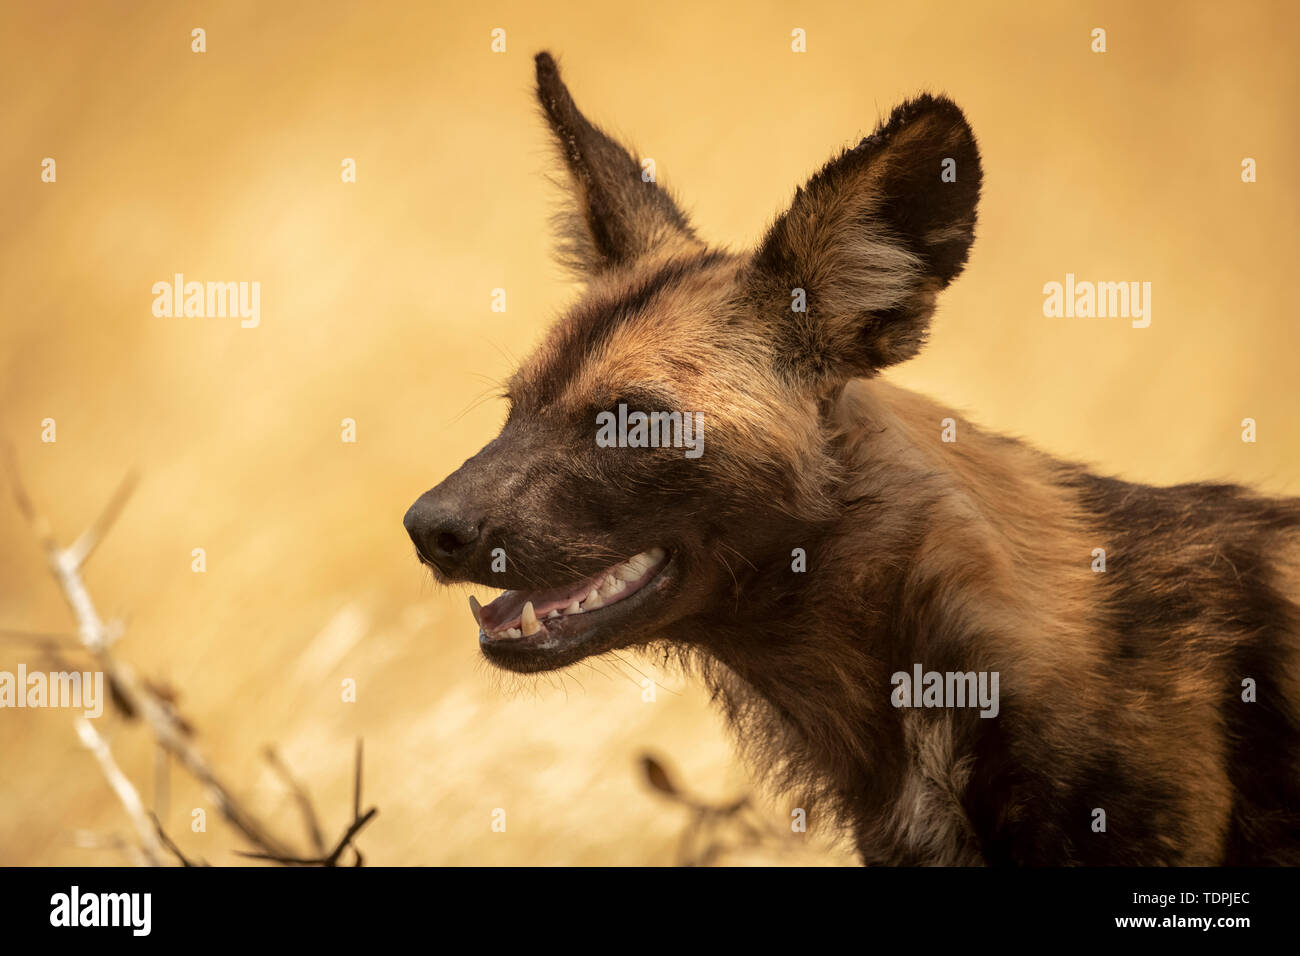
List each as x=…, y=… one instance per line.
x=848, y=275
x=614, y=215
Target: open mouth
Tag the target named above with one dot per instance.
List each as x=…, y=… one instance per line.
x=522, y=629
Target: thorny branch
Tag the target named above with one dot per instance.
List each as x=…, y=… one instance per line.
x=140, y=698
x=359, y=820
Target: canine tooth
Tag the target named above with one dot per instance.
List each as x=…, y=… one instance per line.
x=573, y=608
x=528, y=620
x=476, y=609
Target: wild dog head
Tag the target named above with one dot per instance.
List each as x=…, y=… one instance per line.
x=606, y=546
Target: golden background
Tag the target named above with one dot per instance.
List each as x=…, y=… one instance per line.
x=376, y=306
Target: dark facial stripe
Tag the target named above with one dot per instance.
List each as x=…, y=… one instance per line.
x=591, y=325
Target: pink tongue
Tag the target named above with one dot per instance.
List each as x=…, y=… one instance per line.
x=505, y=610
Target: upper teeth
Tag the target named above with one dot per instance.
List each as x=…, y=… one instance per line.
x=528, y=620
x=617, y=579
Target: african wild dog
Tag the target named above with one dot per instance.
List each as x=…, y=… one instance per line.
x=1120, y=691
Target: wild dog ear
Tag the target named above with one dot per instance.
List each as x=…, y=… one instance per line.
x=870, y=240
x=615, y=216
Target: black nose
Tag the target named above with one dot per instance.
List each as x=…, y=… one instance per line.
x=442, y=530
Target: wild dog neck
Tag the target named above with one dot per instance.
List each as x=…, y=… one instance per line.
x=915, y=570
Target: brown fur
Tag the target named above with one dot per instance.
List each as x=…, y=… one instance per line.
x=1119, y=690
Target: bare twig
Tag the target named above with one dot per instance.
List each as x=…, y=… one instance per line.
x=167, y=841
x=80, y=550
x=359, y=821
x=713, y=828
x=135, y=696
x=299, y=792
x=330, y=859
x=127, y=795
x=356, y=787
x=351, y=832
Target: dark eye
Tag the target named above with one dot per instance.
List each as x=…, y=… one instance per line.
x=646, y=402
